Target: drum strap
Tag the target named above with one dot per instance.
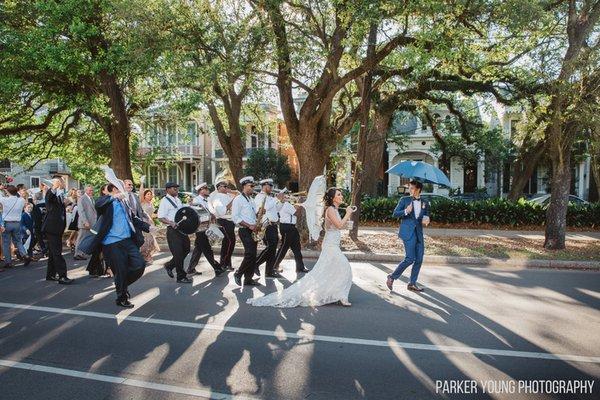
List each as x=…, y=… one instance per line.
x=171, y=201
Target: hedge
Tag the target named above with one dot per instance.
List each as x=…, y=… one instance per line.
x=495, y=211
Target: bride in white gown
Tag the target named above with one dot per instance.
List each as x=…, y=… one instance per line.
x=329, y=281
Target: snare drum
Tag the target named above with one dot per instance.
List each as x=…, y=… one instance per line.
x=197, y=219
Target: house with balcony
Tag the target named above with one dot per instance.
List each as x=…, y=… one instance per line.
x=473, y=178
x=30, y=177
x=190, y=153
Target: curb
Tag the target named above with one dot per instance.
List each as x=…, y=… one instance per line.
x=444, y=260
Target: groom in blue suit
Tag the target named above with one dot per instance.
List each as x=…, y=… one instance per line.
x=414, y=213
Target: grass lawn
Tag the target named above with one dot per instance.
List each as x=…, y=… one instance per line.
x=493, y=247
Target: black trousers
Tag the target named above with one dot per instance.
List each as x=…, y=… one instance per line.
x=56, y=262
x=202, y=246
x=268, y=254
x=249, y=262
x=290, y=238
x=179, y=246
x=228, y=244
x=37, y=238
x=127, y=262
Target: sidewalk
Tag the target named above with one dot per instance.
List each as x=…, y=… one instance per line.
x=446, y=232
x=439, y=260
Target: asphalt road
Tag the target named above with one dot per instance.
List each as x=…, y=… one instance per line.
x=203, y=341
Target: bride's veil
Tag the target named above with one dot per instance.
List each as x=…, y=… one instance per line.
x=314, y=206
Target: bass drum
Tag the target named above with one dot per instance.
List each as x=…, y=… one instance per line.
x=192, y=219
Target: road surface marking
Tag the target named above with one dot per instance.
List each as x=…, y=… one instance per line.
x=391, y=343
x=196, y=392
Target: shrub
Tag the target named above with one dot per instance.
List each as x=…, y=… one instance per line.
x=495, y=211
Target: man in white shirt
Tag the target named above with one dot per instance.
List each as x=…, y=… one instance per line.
x=290, y=237
x=179, y=243
x=12, y=209
x=87, y=218
x=202, y=244
x=221, y=202
x=243, y=214
x=271, y=237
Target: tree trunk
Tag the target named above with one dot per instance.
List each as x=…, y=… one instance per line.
x=376, y=146
x=595, y=166
x=312, y=160
x=117, y=127
x=523, y=168
x=556, y=214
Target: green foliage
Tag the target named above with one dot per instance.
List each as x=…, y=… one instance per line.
x=268, y=163
x=496, y=211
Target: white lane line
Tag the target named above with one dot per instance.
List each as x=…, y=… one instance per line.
x=391, y=343
x=196, y=392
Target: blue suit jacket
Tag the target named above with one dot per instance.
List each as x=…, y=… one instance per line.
x=26, y=223
x=410, y=225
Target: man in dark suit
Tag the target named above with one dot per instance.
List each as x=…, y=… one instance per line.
x=414, y=213
x=53, y=227
x=116, y=231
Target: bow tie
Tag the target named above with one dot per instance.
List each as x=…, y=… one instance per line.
x=416, y=198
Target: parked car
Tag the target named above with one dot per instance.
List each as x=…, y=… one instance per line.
x=434, y=197
x=469, y=197
x=544, y=200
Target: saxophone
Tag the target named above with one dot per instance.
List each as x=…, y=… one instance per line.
x=259, y=233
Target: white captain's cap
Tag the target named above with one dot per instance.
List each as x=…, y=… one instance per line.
x=222, y=182
x=246, y=179
x=266, y=182
x=202, y=185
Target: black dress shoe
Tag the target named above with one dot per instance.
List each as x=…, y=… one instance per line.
x=63, y=280
x=238, y=279
x=257, y=272
x=124, y=303
x=193, y=272
x=303, y=270
x=184, y=280
x=219, y=271
x=251, y=283
x=414, y=288
x=273, y=275
x=52, y=278
x=79, y=258
x=27, y=261
x=7, y=266
x=169, y=272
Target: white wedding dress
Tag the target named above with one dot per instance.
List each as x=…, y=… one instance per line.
x=328, y=282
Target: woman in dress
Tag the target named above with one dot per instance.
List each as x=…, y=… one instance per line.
x=71, y=204
x=150, y=246
x=329, y=281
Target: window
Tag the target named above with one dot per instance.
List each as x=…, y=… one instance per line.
x=172, y=135
x=153, y=176
x=35, y=181
x=253, y=138
x=172, y=173
x=192, y=133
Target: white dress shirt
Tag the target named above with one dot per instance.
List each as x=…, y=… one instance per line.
x=287, y=213
x=201, y=201
x=416, y=208
x=218, y=202
x=12, y=208
x=166, y=209
x=270, y=207
x=243, y=209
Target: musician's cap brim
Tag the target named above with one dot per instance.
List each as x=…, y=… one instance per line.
x=171, y=184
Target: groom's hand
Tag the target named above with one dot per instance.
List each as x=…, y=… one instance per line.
x=408, y=209
x=426, y=220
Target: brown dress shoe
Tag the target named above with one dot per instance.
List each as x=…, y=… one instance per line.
x=414, y=288
x=389, y=282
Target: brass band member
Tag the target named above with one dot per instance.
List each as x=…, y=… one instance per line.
x=221, y=201
x=243, y=214
x=290, y=237
x=179, y=243
x=270, y=217
x=202, y=244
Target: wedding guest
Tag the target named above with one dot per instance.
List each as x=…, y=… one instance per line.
x=27, y=228
x=150, y=246
x=12, y=208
